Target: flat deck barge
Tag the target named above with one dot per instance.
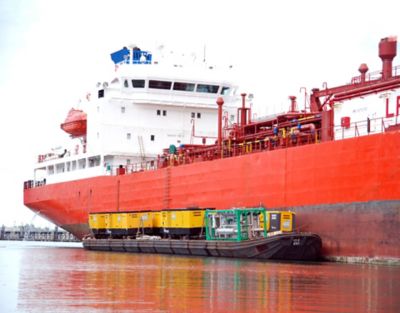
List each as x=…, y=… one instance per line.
x=287, y=246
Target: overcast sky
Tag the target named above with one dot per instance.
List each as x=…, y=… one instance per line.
x=52, y=52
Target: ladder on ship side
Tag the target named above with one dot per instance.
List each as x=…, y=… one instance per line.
x=167, y=188
x=141, y=148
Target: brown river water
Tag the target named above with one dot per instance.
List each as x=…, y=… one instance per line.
x=63, y=277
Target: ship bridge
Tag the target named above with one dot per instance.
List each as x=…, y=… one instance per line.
x=144, y=107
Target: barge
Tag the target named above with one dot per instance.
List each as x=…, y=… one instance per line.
x=235, y=233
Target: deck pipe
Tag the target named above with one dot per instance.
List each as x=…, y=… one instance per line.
x=293, y=104
x=243, y=110
x=220, y=102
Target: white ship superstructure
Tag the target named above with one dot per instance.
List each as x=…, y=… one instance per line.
x=126, y=122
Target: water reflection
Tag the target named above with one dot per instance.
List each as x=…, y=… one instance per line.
x=66, y=280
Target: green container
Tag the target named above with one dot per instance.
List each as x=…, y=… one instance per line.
x=236, y=224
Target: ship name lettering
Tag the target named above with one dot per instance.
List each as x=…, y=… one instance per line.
x=397, y=107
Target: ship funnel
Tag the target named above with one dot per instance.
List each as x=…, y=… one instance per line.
x=363, y=69
x=387, y=52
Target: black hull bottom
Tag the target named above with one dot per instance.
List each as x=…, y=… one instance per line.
x=291, y=246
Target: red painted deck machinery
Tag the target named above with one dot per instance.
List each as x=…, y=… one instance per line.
x=295, y=127
x=365, y=84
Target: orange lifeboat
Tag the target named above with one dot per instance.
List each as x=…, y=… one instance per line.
x=75, y=123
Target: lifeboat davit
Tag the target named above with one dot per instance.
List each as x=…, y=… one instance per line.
x=75, y=123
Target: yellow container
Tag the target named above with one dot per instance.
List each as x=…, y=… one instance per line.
x=165, y=219
x=145, y=220
x=184, y=222
x=288, y=221
x=139, y=220
x=99, y=220
x=94, y=221
x=177, y=219
x=157, y=219
x=195, y=218
x=283, y=221
x=133, y=220
x=261, y=217
x=119, y=221
x=187, y=218
x=99, y=223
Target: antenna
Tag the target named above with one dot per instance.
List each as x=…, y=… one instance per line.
x=132, y=47
x=204, y=54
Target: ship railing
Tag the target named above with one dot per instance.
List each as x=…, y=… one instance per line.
x=376, y=75
x=78, y=150
x=142, y=166
x=34, y=183
x=396, y=70
x=282, y=140
x=150, y=165
x=231, y=149
x=365, y=127
x=279, y=141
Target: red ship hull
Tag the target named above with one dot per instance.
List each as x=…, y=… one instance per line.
x=346, y=191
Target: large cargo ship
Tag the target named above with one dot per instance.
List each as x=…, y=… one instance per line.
x=335, y=163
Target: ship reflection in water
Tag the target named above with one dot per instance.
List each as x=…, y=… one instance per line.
x=48, y=278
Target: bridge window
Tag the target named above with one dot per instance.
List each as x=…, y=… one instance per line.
x=138, y=83
x=126, y=84
x=198, y=115
x=60, y=168
x=164, y=112
x=101, y=93
x=128, y=136
x=225, y=90
x=122, y=109
x=81, y=163
x=152, y=137
x=207, y=88
x=94, y=161
x=159, y=84
x=183, y=86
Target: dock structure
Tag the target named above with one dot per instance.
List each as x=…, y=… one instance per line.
x=33, y=233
